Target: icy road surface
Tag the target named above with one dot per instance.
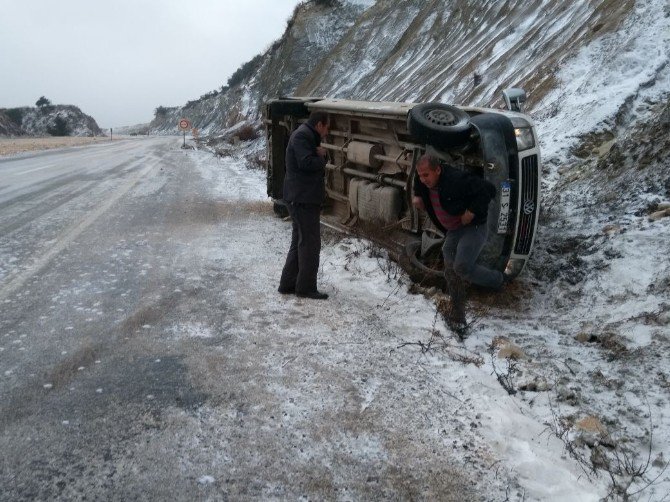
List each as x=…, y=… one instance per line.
x=145, y=353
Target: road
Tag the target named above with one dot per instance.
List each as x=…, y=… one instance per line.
x=145, y=355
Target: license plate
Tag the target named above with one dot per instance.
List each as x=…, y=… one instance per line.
x=503, y=215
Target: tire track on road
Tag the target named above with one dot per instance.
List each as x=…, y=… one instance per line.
x=52, y=199
x=18, y=280
x=51, y=202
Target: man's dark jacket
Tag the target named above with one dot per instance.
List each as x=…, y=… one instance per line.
x=305, y=169
x=458, y=191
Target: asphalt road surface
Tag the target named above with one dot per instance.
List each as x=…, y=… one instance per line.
x=145, y=355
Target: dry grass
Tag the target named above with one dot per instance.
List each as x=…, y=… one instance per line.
x=12, y=146
x=209, y=212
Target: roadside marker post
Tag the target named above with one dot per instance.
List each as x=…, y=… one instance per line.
x=184, y=125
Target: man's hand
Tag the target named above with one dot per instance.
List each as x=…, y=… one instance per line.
x=321, y=151
x=467, y=217
x=417, y=202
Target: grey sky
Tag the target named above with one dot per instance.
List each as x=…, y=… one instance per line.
x=118, y=60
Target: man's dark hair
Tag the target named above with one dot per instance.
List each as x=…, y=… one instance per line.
x=433, y=162
x=317, y=116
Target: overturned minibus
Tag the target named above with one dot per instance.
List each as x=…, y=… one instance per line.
x=373, y=148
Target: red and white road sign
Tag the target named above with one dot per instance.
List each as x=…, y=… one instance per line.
x=184, y=124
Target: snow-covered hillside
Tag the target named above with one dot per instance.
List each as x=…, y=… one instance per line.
x=312, y=32
x=465, y=52
x=8, y=127
x=45, y=120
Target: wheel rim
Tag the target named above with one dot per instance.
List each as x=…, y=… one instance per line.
x=441, y=117
x=430, y=264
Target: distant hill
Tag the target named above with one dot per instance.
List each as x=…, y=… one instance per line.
x=132, y=130
x=49, y=120
x=8, y=127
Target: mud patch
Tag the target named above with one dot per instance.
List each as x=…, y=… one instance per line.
x=65, y=371
x=156, y=381
x=148, y=315
x=209, y=212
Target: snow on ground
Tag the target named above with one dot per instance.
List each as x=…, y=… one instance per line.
x=630, y=65
x=584, y=329
x=374, y=321
x=594, y=327
x=362, y=3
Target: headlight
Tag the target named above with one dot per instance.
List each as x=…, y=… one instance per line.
x=524, y=138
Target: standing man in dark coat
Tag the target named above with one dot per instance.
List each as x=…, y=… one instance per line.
x=457, y=202
x=304, y=192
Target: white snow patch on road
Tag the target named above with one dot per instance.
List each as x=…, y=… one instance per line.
x=193, y=330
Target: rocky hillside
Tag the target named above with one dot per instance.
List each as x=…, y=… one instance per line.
x=312, y=33
x=8, y=127
x=49, y=120
x=463, y=51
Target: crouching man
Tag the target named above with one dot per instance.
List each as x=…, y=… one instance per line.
x=457, y=203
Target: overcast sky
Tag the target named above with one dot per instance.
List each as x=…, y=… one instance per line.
x=120, y=59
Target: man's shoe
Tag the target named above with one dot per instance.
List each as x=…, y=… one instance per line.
x=286, y=291
x=459, y=327
x=314, y=295
x=506, y=279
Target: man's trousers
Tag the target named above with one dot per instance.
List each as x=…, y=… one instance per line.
x=302, y=261
x=461, y=249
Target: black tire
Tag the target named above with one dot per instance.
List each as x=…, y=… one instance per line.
x=428, y=266
x=442, y=126
x=280, y=209
x=293, y=107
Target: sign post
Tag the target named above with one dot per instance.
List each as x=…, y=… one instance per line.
x=184, y=125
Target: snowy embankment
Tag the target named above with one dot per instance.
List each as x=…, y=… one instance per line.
x=593, y=321
x=384, y=351
x=561, y=390
x=599, y=321
x=563, y=380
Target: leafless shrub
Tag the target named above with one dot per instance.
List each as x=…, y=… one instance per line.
x=506, y=378
x=356, y=252
x=447, y=308
x=438, y=343
x=247, y=133
x=650, y=318
x=391, y=269
x=330, y=236
x=257, y=161
x=627, y=472
x=561, y=426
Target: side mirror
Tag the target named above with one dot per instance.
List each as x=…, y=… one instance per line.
x=514, y=99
